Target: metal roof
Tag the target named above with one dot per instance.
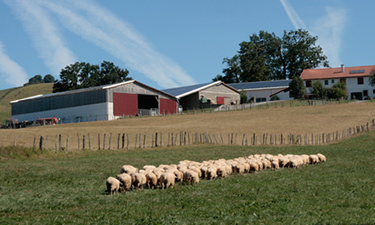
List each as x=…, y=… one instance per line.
x=261, y=84
x=187, y=90
x=181, y=90
x=103, y=87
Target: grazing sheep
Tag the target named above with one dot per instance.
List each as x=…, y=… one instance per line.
x=283, y=161
x=239, y=168
x=221, y=171
x=113, y=185
x=167, y=180
x=195, y=169
x=321, y=157
x=314, y=159
x=149, y=167
x=179, y=175
x=254, y=167
x=139, y=180
x=211, y=172
x=191, y=177
x=126, y=180
x=275, y=165
x=151, y=180
x=128, y=169
x=204, y=171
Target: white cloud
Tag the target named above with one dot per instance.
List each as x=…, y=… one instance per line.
x=103, y=29
x=328, y=28
x=293, y=15
x=44, y=34
x=10, y=70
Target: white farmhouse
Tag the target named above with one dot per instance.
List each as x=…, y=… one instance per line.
x=356, y=79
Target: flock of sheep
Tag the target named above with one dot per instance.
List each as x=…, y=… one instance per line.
x=190, y=172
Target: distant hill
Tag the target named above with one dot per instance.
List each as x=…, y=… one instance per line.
x=11, y=94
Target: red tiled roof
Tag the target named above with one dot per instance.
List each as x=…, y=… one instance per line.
x=331, y=73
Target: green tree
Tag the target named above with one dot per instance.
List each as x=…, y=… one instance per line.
x=37, y=79
x=371, y=79
x=243, y=97
x=268, y=57
x=337, y=91
x=48, y=79
x=318, y=89
x=84, y=75
x=297, y=89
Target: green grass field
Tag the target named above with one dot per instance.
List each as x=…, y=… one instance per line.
x=49, y=188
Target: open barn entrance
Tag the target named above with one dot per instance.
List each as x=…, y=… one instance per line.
x=148, y=105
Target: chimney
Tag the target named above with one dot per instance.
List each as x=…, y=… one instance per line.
x=342, y=68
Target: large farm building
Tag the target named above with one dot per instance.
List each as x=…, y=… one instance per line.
x=206, y=95
x=96, y=103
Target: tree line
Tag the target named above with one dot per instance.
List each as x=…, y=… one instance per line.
x=269, y=57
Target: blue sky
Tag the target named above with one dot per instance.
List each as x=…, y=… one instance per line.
x=169, y=43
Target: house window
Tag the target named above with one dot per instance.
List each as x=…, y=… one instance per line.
x=308, y=83
x=343, y=80
x=360, y=80
x=325, y=82
x=333, y=81
x=365, y=93
x=373, y=91
x=261, y=99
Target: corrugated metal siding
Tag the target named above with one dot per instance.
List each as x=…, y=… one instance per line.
x=133, y=88
x=59, y=102
x=167, y=106
x=125, y=104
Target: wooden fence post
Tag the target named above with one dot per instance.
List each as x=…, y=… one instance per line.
x=127, y=143
x=67, y=143
x=144, y=141
x=123, y=141
x=104, y=137
x=88, y=136
x=110, y=141
x=79, y=145
x=56, y=143
x=83, y=142
x=41, y=143
x=60, y=143
x=156, y=139
x=98, y=141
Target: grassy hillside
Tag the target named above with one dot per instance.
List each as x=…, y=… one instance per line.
x=304, y=120
x=17, y=93
x=70, y=188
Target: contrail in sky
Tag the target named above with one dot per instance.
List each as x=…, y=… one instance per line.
x=10, y=70
x=44, y=34
x=93, y=23
x=328, y=29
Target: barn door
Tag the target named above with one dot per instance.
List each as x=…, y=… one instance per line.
x=125, y=104
x=167, y=106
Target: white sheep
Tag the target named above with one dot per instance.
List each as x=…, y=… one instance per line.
x=128, y=169
x=167, y=180
x=126, y=180
x=211, y=172
x=314, y=159
x=151, y=180
x=139, y=180
x=113, y=185
x=322, y=158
